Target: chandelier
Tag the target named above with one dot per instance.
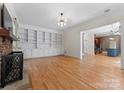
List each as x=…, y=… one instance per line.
x=115, y=28
x=61, y=20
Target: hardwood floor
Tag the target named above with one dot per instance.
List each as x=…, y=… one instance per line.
x=62, y=72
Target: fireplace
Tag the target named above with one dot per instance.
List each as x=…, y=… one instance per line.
x=11, y=63
x=11, y=67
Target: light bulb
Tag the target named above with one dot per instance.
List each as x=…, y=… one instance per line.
x=61, y=23
x=58, y=24
x=111, y=38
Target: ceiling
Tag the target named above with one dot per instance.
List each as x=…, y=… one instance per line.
x=46, y=14
x=108, y=30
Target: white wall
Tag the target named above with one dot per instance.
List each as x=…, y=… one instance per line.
x=122, y=43
x=42, y=49
x=71, y=43
x=12, y=13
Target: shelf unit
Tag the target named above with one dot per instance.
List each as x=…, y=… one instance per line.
x=37, y=43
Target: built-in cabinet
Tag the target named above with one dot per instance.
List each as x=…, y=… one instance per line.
x=37, y=43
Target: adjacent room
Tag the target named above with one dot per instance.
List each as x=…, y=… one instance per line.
x=61, y=46
x=108, y=41
x=103, y=41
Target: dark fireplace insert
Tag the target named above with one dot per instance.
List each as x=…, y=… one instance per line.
x=11, y=67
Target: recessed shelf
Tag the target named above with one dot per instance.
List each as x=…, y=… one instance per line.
x=42, y=41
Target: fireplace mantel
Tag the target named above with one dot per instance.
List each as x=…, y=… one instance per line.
x=5, y=33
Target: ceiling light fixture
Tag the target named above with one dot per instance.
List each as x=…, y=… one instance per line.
x=61, y=20
x=111, y=38
x=107, y=10
x=115, y=29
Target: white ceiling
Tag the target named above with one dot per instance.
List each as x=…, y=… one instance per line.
x=46, y=15
x=108, y=30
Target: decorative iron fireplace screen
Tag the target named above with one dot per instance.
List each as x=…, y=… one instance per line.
x=11, y=68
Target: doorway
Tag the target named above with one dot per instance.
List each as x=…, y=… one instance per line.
x=105, y=40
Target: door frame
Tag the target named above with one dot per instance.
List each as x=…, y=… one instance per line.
x=81, y=43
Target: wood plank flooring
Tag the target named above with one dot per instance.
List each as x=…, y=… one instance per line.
x=62, y=72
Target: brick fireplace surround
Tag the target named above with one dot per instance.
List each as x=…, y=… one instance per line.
x=5, y=42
